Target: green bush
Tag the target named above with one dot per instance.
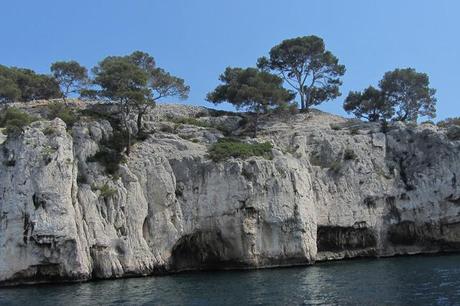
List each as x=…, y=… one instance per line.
x=449, y=122
x=62, y=111
x=190, y=121
x=108, y=158
x=14, y=120
x=335, y=126
x=110, y=155
x=49, y=130
x=105, y=190
x=225, y=148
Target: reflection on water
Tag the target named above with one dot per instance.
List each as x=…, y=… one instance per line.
x=396, y=281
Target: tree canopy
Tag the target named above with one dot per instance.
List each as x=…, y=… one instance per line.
x=369, y=104
x=309, y=68
x=160, y=84
x=70, y=75
x=403, y=95
x=26, y=85
x=9, y=90
x=251, y=89
x=409, y=92
x=135, y=83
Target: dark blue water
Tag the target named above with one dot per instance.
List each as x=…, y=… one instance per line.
x=396, y=281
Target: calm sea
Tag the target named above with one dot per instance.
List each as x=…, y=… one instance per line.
x=418, y=280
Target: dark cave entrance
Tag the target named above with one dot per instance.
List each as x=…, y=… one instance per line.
x=201, y=250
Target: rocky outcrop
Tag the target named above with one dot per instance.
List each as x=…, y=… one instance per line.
x=334, y=188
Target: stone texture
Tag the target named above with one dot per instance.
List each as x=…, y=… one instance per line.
x=335, y=188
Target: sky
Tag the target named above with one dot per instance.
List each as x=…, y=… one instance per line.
x=197, y=39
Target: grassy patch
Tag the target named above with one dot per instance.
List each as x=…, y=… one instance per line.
x=229, y=147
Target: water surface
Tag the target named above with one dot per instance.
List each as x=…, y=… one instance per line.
x=418, y=280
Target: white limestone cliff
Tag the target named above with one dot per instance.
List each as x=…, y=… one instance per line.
x=334, y=188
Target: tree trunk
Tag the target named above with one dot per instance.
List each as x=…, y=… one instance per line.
x=307, y=101
x=139, y=122
x=302, y=100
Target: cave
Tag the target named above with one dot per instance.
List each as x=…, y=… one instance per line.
x=201, y=250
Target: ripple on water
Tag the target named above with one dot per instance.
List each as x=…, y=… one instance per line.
x=430, y=280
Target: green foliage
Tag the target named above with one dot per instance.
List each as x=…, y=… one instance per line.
x=287, y=109
x=307, y=67
x=62, y=111
x=225, y=148
x=190, y=121
x=70, y=75
x=369, y=104
x=105, y=190
x=134, y=83
x=110, y=155
x=335, y=126
x=26, y=85
x=9, y=90
x=409, y=93
x=14, y=120
x=449, y=122
x=49, y=130
x=250, y=89
x=120, y=80
x=403, y=95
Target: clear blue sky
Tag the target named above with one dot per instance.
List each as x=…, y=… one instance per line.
x=197, y=39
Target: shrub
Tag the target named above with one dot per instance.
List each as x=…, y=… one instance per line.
x=354, y=130
x=225, y=148
x=110, y=155
x=108, y=158
x=62, y=111
x=349, y=154
x=14, y=120
x=453, y=133
x=449, y=122
x=287, y=109
x=49, y=130
x=190, y=121
x=336, y=166
x=105, y=190
x=335, y=126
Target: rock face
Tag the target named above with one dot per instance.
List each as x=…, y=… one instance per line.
x=335, y=188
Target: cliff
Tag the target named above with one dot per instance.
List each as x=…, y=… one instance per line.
x=333, y=188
